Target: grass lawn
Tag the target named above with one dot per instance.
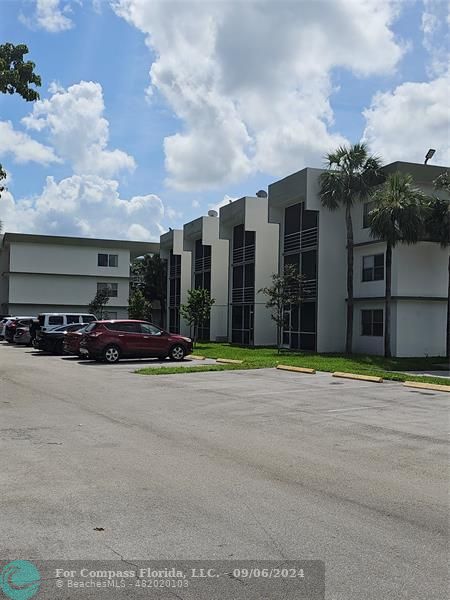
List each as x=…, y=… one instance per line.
x=258, y=358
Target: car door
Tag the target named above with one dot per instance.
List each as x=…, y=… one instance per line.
x=128, y=335
x=153, y=341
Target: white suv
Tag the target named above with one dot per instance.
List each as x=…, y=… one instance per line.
x=48, y=321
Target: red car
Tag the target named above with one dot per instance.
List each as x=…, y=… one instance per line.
x=72, y=339
x=112, y=340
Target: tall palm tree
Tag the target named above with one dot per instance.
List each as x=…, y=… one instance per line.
x=437, y=223
x=397, y=217
x=350, y=175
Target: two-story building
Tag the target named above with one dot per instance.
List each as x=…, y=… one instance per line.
x=43, y=273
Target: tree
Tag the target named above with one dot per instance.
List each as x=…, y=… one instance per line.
x=97, y=306
x=397, y=217
x=350, y=176
x=197, y=309
x=16, y=76
x=139, y=307
x=437, y=226
x=150, y=276
x=286, y=291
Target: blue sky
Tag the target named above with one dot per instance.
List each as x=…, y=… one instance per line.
x=239, y=95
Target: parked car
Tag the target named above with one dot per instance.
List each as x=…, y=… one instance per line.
x=3, y=322
x=22, y=336
x=72, y=339
x=49, y=321
x=53, y=340
x=113, y=340
x=12, y=324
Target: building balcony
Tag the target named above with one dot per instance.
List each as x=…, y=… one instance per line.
x=243, y=295
x=244, y=254
x=301, y=240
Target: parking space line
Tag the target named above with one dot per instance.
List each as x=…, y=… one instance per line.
x=356, y=408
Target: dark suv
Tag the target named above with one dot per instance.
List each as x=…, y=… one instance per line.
x=112, y=340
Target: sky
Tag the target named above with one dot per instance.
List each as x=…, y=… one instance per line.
x=153, y=112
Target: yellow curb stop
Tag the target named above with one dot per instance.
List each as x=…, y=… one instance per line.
x=229, y=361
x=371, y=378
x=427, y=386
x=196, y=357
x=296, y=369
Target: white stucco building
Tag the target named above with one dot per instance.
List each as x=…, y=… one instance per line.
x=291, y=226
x=42, y=273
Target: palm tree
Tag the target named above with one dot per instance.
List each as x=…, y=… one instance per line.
x=437, y=224
x=397, y=217
x=351, y=174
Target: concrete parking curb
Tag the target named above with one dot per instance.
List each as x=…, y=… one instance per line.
x=196, y=357
x=230, y=361
x=427, y=386
x=371, y=378
x=296, y=369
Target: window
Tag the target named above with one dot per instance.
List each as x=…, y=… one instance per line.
x=373, y=267
x=367, y=208
x=108, y=260
x=372, y=322
x=149, y=329
x=89, y=318
x=73, y=318
x=126, y=327
x=111, y=288
x=59, y=320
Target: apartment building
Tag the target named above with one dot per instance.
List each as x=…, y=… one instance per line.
x=42, y=273
x=292, y=227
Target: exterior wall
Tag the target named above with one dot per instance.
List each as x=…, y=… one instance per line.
x=420, y=328
x=332, y=271
x=64, y=290
x=70, y=260
x=252, y=212
x=364, y=344
x=420, y=270
x=57, y=274
x=207, y=230
x=173, y=240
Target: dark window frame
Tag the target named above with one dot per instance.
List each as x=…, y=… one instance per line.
x=372, y=325
x=374, y=272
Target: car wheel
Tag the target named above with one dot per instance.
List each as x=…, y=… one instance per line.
x=177, y=352
x=111, y=354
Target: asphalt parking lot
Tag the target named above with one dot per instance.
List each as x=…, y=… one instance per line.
x=257, y=464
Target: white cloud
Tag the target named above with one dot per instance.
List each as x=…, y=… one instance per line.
x=77, y=129
x=49, y=15
x=195, y=204
x=436, y=34
x=250, y=81
x=404, y=123
x=87, y=206
x=218, y=205
x=173, y=214
x=22, y=147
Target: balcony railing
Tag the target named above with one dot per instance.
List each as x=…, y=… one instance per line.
x=174, y=301
x=243, y=295
x=301, y=240
x=309, y=289
x=175, y=271
x=244, y=254
x=202, y=264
